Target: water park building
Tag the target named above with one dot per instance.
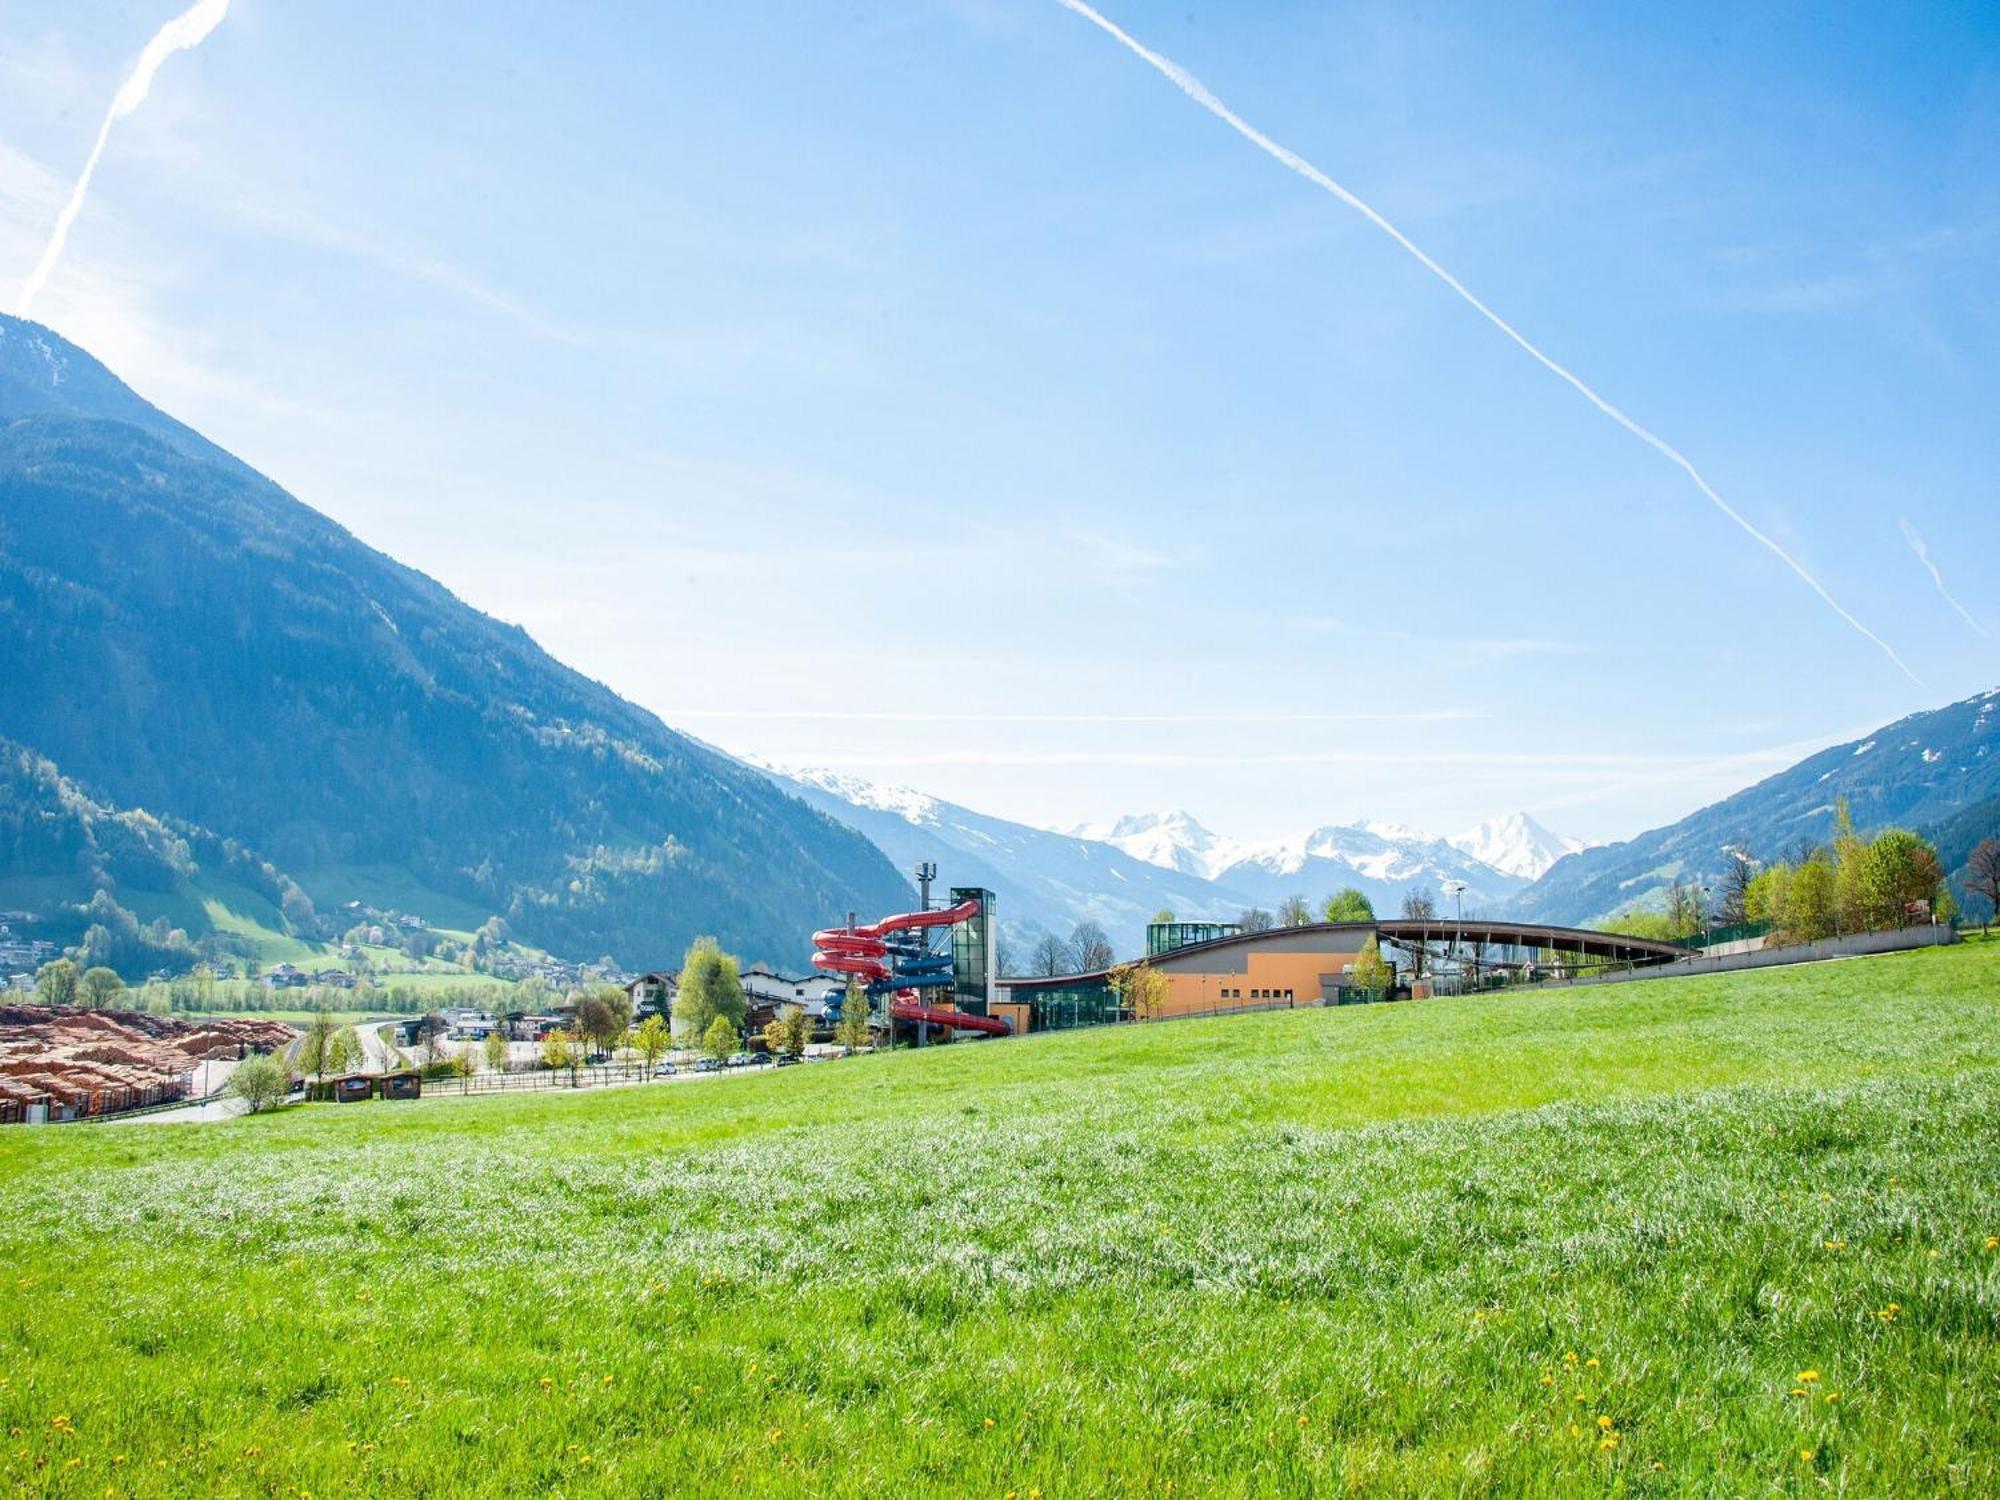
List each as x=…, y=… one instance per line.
x=935, y=966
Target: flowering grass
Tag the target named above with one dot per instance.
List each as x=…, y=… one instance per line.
x=1725, y=1235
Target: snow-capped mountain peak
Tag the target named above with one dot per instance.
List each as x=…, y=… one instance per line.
x=1170, y=840
x=907, y=803
x=1516, y=844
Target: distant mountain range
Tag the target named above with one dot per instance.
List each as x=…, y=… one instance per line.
x=1120, y=874
x=1925, y=772
x=1044, y=881
x=1935, y=771
x=179, y=635
x=1381, y=860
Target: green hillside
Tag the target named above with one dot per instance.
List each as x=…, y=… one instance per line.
x=183, y=636
x=141, y=892
x=1726, y=1235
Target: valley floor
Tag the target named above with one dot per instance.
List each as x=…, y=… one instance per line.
x=1714, y=1235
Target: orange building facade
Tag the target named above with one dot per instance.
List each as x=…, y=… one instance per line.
x=1258, y=970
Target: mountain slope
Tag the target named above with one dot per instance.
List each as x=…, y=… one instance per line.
x=138, y=892
x=184, y=636
x=1046, y=882
x=1916, y=772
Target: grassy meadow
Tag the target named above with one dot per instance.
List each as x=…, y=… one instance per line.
x=1704, y=1236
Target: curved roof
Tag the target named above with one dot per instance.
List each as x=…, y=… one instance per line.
x=1609, y=945
x=1348, y=936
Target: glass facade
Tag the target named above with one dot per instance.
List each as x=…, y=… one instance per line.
x=1083, y=1002
x=1164, y=937
x=972, y=953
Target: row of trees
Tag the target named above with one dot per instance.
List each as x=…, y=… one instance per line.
x=1850, y=884
x=60, y=982
x=1854, y=884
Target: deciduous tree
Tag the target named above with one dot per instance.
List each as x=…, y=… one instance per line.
x=100, y=987
x=1051, y=956
x=1372, y=972
x=653, y=1039
x=1293, y=912
x=316, y=1045
x=262, y=1082
x=561, y=1051
x=1982, y=875
x=1348, y=905
x=55, y=982
x=711, y=988
x=1090, y=947
x=853, y=1032
x=1141, y=989
x=721, y=1037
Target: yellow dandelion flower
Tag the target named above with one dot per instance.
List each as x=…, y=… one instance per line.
x=1609, y=1441
x=1303, y=1419
x=987, y=1423
x=1604, y=1422
x=1806, y=1455
x=1574, y=1430
x=1548, y=1380
x=1993, y=1242
x=1590, y=1364
x=1807, y=1377
x=1831, y=1397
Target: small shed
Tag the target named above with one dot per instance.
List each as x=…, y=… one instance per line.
x=350, y=1088
x=406, y=1085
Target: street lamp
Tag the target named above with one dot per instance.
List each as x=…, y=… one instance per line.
x=1456, y=890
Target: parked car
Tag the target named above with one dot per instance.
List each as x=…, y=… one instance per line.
x=708, y=1065
x=788, y=1059
x=763, y=1059
x=740, y=1059
x=665, y=1070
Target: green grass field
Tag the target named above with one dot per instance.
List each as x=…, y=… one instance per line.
x=1708, y=1236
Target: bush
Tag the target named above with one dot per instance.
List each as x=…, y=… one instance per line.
x=263, y=1082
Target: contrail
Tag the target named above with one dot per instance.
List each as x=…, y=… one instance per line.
x=1193, y=87
x=1924, y=556
x=188, y=29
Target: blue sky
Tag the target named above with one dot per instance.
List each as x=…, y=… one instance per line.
x=930, y=390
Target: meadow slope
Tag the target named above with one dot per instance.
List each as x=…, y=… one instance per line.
x=1722, y=1235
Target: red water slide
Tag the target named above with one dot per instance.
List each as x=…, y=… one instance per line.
x=864, y=951
x=965, y=911
x=909, y=1010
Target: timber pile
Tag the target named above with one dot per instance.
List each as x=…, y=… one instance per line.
x=81, y=1062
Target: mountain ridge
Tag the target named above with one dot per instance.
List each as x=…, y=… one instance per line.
x=187, y=637
x=1918, y=771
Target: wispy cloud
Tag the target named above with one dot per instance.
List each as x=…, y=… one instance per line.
x=1193, y=87
x=1471, y=649
x=1924, y=556
x=188, y=29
